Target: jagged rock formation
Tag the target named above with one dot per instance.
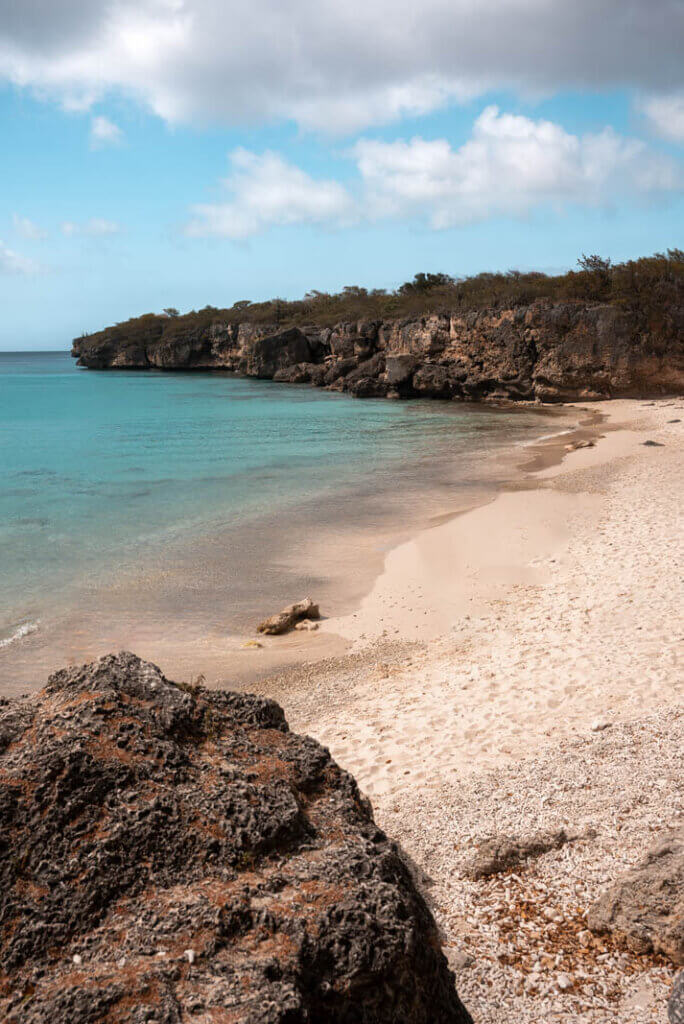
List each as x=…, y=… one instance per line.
x=169, y=854
x=561, y=351
x=645, y=907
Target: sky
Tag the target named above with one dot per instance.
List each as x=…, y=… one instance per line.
x=182, y=153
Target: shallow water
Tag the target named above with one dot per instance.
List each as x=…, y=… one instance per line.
x=170, y=501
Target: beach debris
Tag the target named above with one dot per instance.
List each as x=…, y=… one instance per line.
x=77, y=959
x=579, y=444
x=503, y=853
x=645, y=907
x=674, y=421
x=600, y=724
x=306, y=625
x=286, y=620
x=253, y=644
x=564, y=982
x=675, y=1006
x=190, y=955
x=653, y=444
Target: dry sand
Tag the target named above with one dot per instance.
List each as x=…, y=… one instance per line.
x=486, y=664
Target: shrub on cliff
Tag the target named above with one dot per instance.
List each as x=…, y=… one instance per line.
x=650, y=286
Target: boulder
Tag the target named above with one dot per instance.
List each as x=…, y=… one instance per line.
x=435, y=381
x=264, y=356
x=675, y=1005
x=576, y=445
x=399, y=368
x=286, y=620
x=506, y=853
x=645, y=908
x=176, y=855
x=367, y=387
x=337, y=368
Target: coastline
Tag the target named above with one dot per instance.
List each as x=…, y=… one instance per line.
x=553, y=698
x=191, y=602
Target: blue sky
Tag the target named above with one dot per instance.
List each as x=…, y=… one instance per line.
x=152, y=155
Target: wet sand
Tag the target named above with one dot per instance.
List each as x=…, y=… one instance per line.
x=192, y=606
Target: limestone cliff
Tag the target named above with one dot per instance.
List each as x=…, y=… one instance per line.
x=547, y=351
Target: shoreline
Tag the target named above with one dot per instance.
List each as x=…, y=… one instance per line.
x=338, y=635
x=183, y=608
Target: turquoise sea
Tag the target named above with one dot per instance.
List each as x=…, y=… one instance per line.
x=134, y=502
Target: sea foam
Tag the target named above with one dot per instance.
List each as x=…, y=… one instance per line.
x=25, y=629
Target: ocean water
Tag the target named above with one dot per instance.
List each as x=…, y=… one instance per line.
x=166, y=501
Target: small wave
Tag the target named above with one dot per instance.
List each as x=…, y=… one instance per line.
x=24, y=630
x=547, y=437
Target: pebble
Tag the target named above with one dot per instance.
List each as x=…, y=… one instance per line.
x=564, y=982
x=599, y=724
x=78, y=959
x=190, y=955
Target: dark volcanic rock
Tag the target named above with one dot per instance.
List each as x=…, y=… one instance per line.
x=645, y=908
x=176, y=855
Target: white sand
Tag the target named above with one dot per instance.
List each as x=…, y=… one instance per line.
x=486, y=652
x=543, y=610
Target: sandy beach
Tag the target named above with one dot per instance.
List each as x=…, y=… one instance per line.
x=513, y=668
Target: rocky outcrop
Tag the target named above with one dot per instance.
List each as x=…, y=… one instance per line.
x=505, y=853
x=546, y=351
x=289, y=617
x=645, y=908
x=169, y=854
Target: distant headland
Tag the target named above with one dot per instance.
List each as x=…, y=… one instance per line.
x=604, y=331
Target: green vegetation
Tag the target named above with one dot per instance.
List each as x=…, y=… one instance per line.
x=650, y=285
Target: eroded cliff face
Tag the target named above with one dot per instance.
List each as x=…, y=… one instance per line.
x=172, y=854
x=546, y=351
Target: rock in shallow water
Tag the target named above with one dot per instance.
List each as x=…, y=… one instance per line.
x=142, y=821
x=287, y=619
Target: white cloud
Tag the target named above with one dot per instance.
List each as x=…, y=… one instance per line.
x=265, y=191
x=510, y=165
x=100, y=226
x=666, y=115
x=28, y=228
x=330, y=65
x=104, y=132
x=12, y=262
x=95, y=227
